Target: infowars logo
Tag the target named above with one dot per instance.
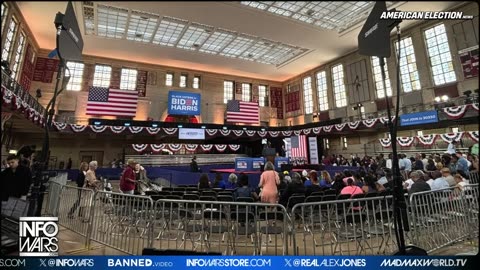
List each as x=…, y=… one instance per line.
x=38, y=236
x=423, y=262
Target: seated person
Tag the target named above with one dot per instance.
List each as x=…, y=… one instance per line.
x=230, y=183
x=218, y=180
x=351, y=188
x=296, y=186
x=204, y=182
x=315, y=186
x=439, y=182
x=326, y=180
x=419, y=183
x=244, y=190
x=312, y=175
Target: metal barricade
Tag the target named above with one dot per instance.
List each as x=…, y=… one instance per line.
x=474, y=178
x=75, y=207
x=443, y=217
x=344, y=227
x=53, y=199
x=221, y=227
x=121, y=221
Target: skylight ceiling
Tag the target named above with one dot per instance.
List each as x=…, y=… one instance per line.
x=337, y=16
x=119, y=23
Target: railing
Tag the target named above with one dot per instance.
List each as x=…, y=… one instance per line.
x=23, y=94
x=215, y=224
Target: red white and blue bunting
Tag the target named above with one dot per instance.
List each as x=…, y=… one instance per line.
x=369, y=122
x=405, y=141
x=384, y=120
x=386, y=142
x=427, y=140
x=339, y=127
x=475, y=106
x=225, y=132
x=98, y=129
x=353, y=125
x=287, y=133
x=327, y=128
x=297, y=132
x=262, y=133
x=473, y=135
x=211, y=132
x=234, y=147
x=135, y=130
x=316, y=130
x=250, y=132
x=451, y=136
x=152, y=131
x=307, y=131
x=221, y=147
x=206, y=147
x=117, y=129
x=59, y=126
x=77, y=128
x=174, y=147
x=139, y=147
x=191, y=147
x=170, y=131
x=274, y=133
x=157, y=147
x=238, y=133
x=455, y=112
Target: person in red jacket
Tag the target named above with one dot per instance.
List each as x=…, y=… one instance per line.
x=127, y=181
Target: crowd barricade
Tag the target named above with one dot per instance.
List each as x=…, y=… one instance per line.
x=474, y=177
x=215, y=224
x=120, y=221
x=220, y=227
x=443, y=217
x=328, y=226
x=75, y=207
x=54, y=190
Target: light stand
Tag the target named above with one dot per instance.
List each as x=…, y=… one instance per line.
x=41, y=165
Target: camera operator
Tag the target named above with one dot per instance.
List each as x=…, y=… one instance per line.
x=16, y=179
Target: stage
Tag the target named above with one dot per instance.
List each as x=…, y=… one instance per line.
x=245, y=172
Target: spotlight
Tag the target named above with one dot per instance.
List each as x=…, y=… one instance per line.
x=180, y=126
x=263, y=129
x=437, y=99
x=203, y=127
x=224, y=127
x=12, y=152
x=244, y=128
x=154, y=125
x=126, y=124
x=444, y=98
x=97, y=123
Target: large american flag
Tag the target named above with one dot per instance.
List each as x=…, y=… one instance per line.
x=242, y=112
x=112, y=102
x=298, y=146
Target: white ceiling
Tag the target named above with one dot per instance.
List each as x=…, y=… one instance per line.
x=323, y=45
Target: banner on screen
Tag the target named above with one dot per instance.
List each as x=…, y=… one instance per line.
x=191, y=134
x=312, y=143
x=418, y=118
x=183, y=103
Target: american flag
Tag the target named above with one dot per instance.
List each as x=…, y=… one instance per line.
x=242, y=112
x=298, y=146
x=112, y=102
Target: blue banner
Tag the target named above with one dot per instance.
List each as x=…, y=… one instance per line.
x=183, y=103
x=418, y=118
x=240, y=262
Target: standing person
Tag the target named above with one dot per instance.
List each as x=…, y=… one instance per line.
x=194, y=165
x=16, y=179
x=69, y=163
x=80, y=183
x=127, y=181
x=418, y=165
x=91, y=182
x=269, y=180
x=451, y=148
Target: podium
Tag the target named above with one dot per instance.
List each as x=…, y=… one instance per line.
x=269, y=154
